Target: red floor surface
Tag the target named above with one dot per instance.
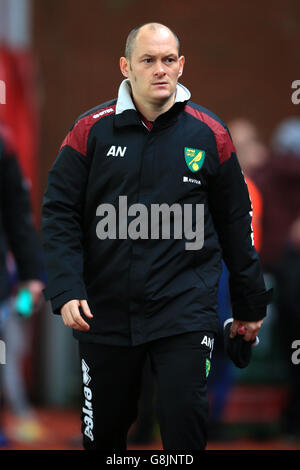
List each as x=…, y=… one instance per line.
x=62, y=432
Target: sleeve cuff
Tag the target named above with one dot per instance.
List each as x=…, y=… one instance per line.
x=60, y=299
x=252, y=308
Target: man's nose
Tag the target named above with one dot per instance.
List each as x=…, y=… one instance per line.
x=160, y=70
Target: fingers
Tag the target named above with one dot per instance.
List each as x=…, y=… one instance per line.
x=233, y=328
x=71, y=314
x=237, y=327
x=86, y=309
x=251, y=332
x=252, y=329
x=248, y=329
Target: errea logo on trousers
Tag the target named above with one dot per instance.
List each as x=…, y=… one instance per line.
x=116, y=151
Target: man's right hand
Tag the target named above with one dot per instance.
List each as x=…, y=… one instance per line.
x=72, y=317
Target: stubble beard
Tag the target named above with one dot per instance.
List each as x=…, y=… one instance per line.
x=155, y=102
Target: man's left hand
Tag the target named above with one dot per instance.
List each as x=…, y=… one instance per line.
x=248, y=328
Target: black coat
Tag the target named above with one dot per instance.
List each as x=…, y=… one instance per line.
x=144, y=288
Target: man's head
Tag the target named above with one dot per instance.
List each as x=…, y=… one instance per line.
x=152, y=63
x=251, y=152
x=130, y=42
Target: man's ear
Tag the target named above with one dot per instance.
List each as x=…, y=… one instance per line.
x=181, y=63
x=124, y=66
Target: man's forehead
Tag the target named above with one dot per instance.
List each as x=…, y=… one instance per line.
x=155, y=28
x=156, y=52
x=153, y=42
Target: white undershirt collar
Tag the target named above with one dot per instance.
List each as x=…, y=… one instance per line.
x=125, y=102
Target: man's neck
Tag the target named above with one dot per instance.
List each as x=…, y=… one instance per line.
x=151, y=111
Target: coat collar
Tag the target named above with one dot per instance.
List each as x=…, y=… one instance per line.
x=126, y=112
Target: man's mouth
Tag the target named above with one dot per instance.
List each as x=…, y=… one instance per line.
x=160, y=83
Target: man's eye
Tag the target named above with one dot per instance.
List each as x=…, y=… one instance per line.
x=147, y=61
x=169, y=60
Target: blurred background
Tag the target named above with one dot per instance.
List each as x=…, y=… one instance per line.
x=58, y=58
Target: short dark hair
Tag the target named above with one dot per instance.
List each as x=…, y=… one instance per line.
x=133, y=34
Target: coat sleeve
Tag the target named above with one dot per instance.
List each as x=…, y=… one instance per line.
x=231, y=210
x=62, y=214
x=18, y=222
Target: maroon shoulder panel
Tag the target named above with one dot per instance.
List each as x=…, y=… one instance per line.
x=78, y=136
x=224, y=143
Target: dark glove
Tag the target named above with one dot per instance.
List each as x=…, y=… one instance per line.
x=237, y=348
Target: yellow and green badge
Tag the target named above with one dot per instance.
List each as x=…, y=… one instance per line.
x=194, y=158
x=207, y=367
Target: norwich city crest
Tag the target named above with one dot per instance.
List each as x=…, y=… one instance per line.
x=207, y=367
x=194, y=158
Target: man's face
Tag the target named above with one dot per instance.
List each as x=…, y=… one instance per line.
x=154, y=66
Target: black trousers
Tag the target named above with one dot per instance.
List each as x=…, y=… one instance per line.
x=112, y=381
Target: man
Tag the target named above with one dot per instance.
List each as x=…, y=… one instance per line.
x=128, y=284
x=253, y=156
x=17, y=229
x=18, y=237
x=279, y=182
